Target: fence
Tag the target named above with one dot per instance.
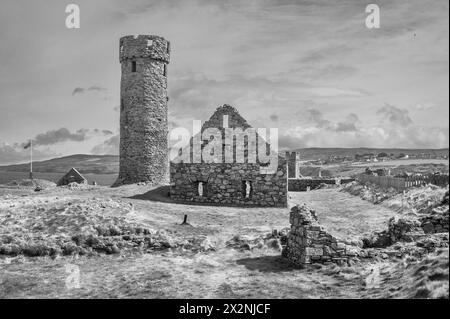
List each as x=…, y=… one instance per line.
x=400, y=183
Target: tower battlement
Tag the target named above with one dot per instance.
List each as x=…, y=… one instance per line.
x=144, y=46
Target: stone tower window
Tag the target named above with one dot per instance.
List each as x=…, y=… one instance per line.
x=165, y=70
x=247, y=189
x=133, y=66
x=121, y=105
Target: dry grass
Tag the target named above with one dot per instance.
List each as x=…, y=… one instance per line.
x=226, y=272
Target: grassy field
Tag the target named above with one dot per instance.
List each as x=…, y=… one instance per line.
x=225, y=272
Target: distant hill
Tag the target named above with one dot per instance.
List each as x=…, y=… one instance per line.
x=88, y=164
x=109, y=164
x=314, y=153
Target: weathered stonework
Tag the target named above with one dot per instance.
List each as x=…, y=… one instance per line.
x=227, y=182
x=436, y=221
x=308, y=242
x=143, y=110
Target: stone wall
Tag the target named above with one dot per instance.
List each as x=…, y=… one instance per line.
x=235, y=120
x=308, y=242
x=224, y=184
x=143, y=110
x=436, y=222
x=302, y=184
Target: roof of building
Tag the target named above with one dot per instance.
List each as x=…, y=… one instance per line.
x=225, y=116
x=72, y=174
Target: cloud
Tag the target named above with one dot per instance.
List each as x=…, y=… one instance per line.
x=94, y=88
x=11, y=154
x=323, y=54
x=424, y=106
x=395, y=115
x=336, y=92
x=199, y=94
x=77, y=90
x=108, y=147
x=281, y=53
x=320, y=73
x=395, y=129
x=349, y=125
x=60, y=135
x=64, y=135
x=316, y=117
x=289, y=142
x=274, y=117
x=107, y=132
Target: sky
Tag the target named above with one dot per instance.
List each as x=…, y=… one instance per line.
x=310, y=68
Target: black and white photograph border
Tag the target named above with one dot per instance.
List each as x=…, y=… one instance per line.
x=215, y=150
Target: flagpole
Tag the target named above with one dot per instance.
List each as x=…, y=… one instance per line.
x=31, y=159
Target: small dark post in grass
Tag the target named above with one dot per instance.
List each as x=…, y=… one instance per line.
x=184, y=220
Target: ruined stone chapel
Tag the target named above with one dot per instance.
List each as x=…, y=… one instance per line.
x=232, y=179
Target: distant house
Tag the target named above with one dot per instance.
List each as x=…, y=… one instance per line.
x=73, y=176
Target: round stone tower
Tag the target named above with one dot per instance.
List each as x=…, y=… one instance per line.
x=143, y=110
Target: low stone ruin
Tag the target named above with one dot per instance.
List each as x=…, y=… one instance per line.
x=308, y=242
x=431, y=220
x=436, y=222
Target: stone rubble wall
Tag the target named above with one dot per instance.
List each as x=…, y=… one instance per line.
x=308, y=242
x=436, y=222
x=432, y=220
x=437, y=219
x=223, y=184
